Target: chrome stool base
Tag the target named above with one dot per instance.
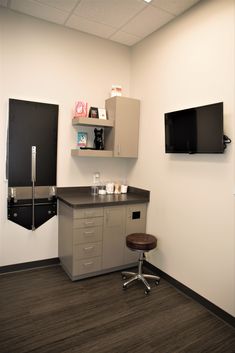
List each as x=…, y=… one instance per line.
x=139, y=276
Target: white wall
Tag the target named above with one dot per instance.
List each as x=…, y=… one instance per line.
x=48, y=63
x=189, y=62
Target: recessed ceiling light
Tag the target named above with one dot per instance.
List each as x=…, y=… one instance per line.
x=148, y=1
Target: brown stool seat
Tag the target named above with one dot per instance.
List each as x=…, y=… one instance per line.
x=141, y=241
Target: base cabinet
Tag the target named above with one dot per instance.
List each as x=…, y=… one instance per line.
x=113, y=236
x=135, y=223
x=92, y=240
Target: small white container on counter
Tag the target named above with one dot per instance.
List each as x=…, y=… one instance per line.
x=102, y=189
x=110, y=188
x=124, y=186
x=124, y=189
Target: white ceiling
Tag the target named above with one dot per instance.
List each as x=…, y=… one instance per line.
x=123, y=21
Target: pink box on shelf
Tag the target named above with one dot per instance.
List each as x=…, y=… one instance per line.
x=81, y=109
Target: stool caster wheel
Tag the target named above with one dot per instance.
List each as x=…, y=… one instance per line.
x=157, y=282
x=123, y=277
x=124, y=287
x=146, y=292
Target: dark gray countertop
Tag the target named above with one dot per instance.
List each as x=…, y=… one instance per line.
x=81, y=197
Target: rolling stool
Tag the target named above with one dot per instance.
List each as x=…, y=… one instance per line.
x=142, y=243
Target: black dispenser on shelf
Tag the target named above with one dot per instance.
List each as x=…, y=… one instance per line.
x=32, y=162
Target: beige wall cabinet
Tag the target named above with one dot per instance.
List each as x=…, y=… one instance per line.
x=124, y=137
x=121, y=129
x=92, y=240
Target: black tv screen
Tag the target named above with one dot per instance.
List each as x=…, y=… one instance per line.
x=195, y=130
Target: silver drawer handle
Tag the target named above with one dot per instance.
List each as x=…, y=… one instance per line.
x=89, y=233
x=87, y=223
x=89, y=248
x=87, y=264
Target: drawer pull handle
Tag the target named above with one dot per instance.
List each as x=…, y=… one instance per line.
x=87, y=223
x=89, y=248
x=88, y=264
x=89, y=233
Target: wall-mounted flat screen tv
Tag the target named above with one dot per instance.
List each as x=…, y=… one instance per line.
x=195, y=130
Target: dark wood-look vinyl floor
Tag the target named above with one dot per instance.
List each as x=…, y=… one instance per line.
x=42, y=311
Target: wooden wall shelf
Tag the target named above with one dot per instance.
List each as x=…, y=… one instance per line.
x=121, y=130
x=91, y=153
x=92, y=122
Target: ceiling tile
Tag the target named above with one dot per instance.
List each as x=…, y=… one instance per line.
x=174, y=6
x=124, y=38
x=64, y=5
x=110, y=12
x=123, y=21
x=149, y=20
x=36, y=9
x=85, y=25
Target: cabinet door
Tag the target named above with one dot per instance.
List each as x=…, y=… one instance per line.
x=113, y=236
x=135, y=223
x=125, y=113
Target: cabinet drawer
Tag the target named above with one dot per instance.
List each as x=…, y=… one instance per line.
x=87, y=222
x=87, y=235
x=88, y=212
x=84, y=251
x=86, y=266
